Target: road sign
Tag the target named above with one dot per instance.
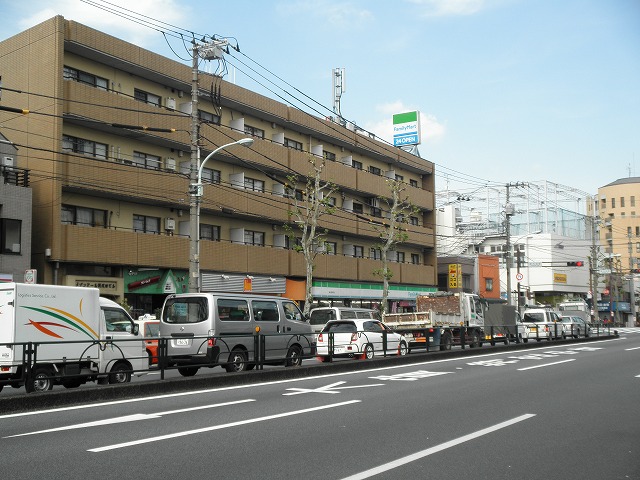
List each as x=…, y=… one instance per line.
x=30, y=276
x=519, y=277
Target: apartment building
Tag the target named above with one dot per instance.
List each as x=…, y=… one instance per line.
x=111, y=202
x=15, y=216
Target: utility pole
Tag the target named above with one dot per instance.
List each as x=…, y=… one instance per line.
x=509, y=211
x=207, y=51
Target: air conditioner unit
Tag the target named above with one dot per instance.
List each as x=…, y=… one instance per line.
x=170, y=164
x=170, y=103
x=8, y=162
x=169, y=223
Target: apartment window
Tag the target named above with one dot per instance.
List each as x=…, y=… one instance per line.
x=210, y=175
x=637, y=231
x=292, y=144
x=358, y=251
x=399, y=178
x=376, y=212
x=356, y=164
x=84, y=147
x=358, y=208
x=629, y=232
x=400, y=257
x=632, y=201
x=488, y=284
x=613, y=203
x=86, y=78
x=329, y=156
x=413, y=220
x=146, y=160
x=210, y=232
x=638, y=247
x=87, y=217
x=292, y=244
x=413, y=183
x=142, y=223
x=603, y=203
x=331, y=248
x=254, y=238
x=11, y=236
x=331, y=201
x=146, y=97
x=256, y=132
x=375, y=254
x=415, y=258
x=253, y=184
x=375, y=170
x=207, y=117
x=621, y=202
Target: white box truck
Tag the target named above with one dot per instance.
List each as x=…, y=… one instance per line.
x=53, y=334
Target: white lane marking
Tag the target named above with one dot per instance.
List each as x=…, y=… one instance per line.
x=262, y=384
x=547, y=364
x=129, y=418
x=218, y=427
x=629, y=349
x=331, y=388
x=410, y=376
x=438, y=448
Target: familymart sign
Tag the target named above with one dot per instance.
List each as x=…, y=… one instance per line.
x=406, y=129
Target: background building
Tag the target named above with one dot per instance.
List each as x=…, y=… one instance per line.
x=111, y=200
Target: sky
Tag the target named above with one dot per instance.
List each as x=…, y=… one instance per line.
x=507, y=90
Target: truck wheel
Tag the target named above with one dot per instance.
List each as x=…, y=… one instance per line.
x=447, y=342
x=38, y=381
x=120, y=373
x=368, y=353
x=475, y=340
x=294, y=356
x=71, y=382
x=187, y=371
x=237, y=361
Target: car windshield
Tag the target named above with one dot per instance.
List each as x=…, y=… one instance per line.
x=340, y=327
x=534, y=317
x=320, y=317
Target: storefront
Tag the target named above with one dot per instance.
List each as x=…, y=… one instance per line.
x=145, y=290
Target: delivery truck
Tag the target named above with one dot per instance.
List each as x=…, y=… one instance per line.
x=441, y=319
x=57, y=335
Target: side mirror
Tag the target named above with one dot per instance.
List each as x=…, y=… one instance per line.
x=136, y=329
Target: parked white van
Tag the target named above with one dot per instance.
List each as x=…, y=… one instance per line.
x=209, y=329
x=321, y=315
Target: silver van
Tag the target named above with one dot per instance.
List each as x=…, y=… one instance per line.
x=321, y=315
x=209, y=329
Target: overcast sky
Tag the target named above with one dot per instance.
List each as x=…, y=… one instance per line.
x=508, y=90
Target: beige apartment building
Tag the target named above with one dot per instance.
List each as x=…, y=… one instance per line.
x=111, y=202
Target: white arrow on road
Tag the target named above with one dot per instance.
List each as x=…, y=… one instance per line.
x=128, y=418
x=332, y=388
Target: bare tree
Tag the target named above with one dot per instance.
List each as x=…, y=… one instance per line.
x=392, y=232
x=309, y=205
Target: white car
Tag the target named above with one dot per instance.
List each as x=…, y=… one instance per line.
x=574, y=326
x=359, y=338
x=542, y=324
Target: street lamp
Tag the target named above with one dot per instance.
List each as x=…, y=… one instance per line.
x=195, y=192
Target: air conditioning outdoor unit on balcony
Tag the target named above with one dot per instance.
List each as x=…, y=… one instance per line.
x=169, y=223
x=170, y=164
x=8, y=162
x=170, y=103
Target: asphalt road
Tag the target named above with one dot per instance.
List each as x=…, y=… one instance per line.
x=549, y=412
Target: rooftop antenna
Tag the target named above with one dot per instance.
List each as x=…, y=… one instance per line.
x=339, y=87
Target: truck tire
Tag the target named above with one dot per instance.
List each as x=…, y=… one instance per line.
x=446, y=342
x=38, y=381
x=475, y=340
x=120, y=373
x=187, y=371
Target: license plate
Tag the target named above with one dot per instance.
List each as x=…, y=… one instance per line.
x=182, y=342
